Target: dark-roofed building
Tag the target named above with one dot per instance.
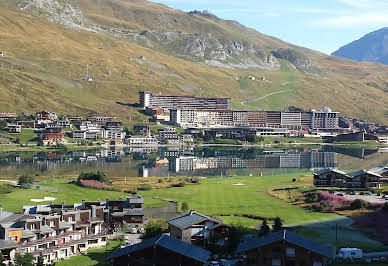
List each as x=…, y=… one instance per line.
x=198, y=229
x=127, y=211
x=383, y=171
x=160, y=250
x=285, y=248
x=330, y=177
x=7, y=249
x=364, y=179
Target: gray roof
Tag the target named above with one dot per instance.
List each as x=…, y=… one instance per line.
x=64, y=225
x=27, y=233
x=186, y=220
x=167, y=242
x=7, y=244
x=136, y=211
x=363, y=171
x=9, y=217
x=136, y=200
x=328, y=170
x=379, y=170
x=290, y=238
x=44, y=229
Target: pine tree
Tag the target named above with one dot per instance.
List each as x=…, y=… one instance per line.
x=40, y=260
x=264, y=229
x=278, y=225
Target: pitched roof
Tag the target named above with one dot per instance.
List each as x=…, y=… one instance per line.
x=290, y=238
x=7, y=244
x=328, y=170
x=379, y=170
x=186, y=220
x=167, y=242
x=363, y=171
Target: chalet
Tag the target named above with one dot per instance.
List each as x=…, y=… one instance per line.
x=142, y=130
x=364, y=179
x=124, y=212
x=285, y=248
x=160, y=250
x=43, y=115
x=330, y=177
x=102, y=120
x=4, y=116
x=383, y=171
x=14, y=129
x=198, y=229
x=26, y=124
x=53, y=136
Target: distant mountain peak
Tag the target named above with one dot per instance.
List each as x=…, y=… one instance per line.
x=373, y=47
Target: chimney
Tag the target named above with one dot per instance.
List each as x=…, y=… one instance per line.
x=94, y=208
x=83, y=204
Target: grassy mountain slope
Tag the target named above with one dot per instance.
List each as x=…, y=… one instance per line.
x=45, y=65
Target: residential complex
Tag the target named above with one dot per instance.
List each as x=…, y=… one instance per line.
x=166, y=102
x=191, y=118
x=59, y=231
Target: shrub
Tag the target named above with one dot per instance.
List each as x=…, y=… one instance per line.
x=311, y=197
x=160, y=180
x=278, y=225
x=358, y=204
x=25, y=181
x=181, y=184
x=185, y=206
x=145, y=187
x=98, y=176
x=264, y=228
x=154, y=228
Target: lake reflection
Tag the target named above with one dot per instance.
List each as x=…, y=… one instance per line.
x=188, y=161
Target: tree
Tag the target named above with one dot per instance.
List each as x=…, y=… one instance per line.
x=3, y=124
x=185, y=206
x=98, y=176
x=24, y=260
x=25, y=181
x=358, y=204
x=40, y=260
x=154, y=228
x=17, y=140
x=264, y=228
x=278, y=225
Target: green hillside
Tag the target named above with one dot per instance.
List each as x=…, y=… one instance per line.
x=45, y=63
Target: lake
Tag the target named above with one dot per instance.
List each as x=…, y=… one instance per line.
x=188, y=161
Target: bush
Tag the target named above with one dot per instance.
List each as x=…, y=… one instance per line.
x=26, y=181
x=358, y=204
x=160, y=181
x=145, y=187
x=312, y=197
x=264, y=228
x=154, y=228
x=98, y=176
x=278, y=225
x=181, y=184
x=185, y=206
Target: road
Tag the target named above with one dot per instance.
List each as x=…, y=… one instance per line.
x=265, y=96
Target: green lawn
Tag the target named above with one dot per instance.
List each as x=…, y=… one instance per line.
x=93, y=257
x=13, y=199
x=223, y=198
x=27, y=136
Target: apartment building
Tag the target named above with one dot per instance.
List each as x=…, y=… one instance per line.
x=166, y=102
x=295, y=120
x=56, y=231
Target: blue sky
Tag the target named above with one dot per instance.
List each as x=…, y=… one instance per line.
x=323, y=25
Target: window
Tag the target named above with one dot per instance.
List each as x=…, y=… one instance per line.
x=52, y=223
x=276, y=262
x=70, y=219
x=290, y=252
x=32, y=226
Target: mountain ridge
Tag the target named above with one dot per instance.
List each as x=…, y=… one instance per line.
x=372, y=47
x=44, y=67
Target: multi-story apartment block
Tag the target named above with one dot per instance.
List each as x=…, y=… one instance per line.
x=102, y=120
x=127, y=211
x=325, y=118
x=187, y=118
x=166, y=102
x=55, y=231
x=4, y=116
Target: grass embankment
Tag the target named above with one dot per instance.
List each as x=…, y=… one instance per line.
x=13, y=199
x=27, y=136
x=93, y=257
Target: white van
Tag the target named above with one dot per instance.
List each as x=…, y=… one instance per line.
x=350, y=253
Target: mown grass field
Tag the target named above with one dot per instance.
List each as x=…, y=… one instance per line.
x=13, y=199
x=233, y=198
x=93, y=257
x=27, y=136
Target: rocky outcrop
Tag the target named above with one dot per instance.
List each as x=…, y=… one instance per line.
x=299, y=60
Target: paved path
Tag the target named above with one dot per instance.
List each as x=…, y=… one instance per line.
x=273, y=93
x=368, y=198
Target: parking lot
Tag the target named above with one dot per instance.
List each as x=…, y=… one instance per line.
x=368, y=198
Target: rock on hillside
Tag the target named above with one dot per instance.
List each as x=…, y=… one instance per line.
x=373, y=47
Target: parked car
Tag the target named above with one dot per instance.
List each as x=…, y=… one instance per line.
x=133, y=231
x=368, y=193
x=214, y=263
x=224, y=262
x=340, y=194
x=350, y=253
